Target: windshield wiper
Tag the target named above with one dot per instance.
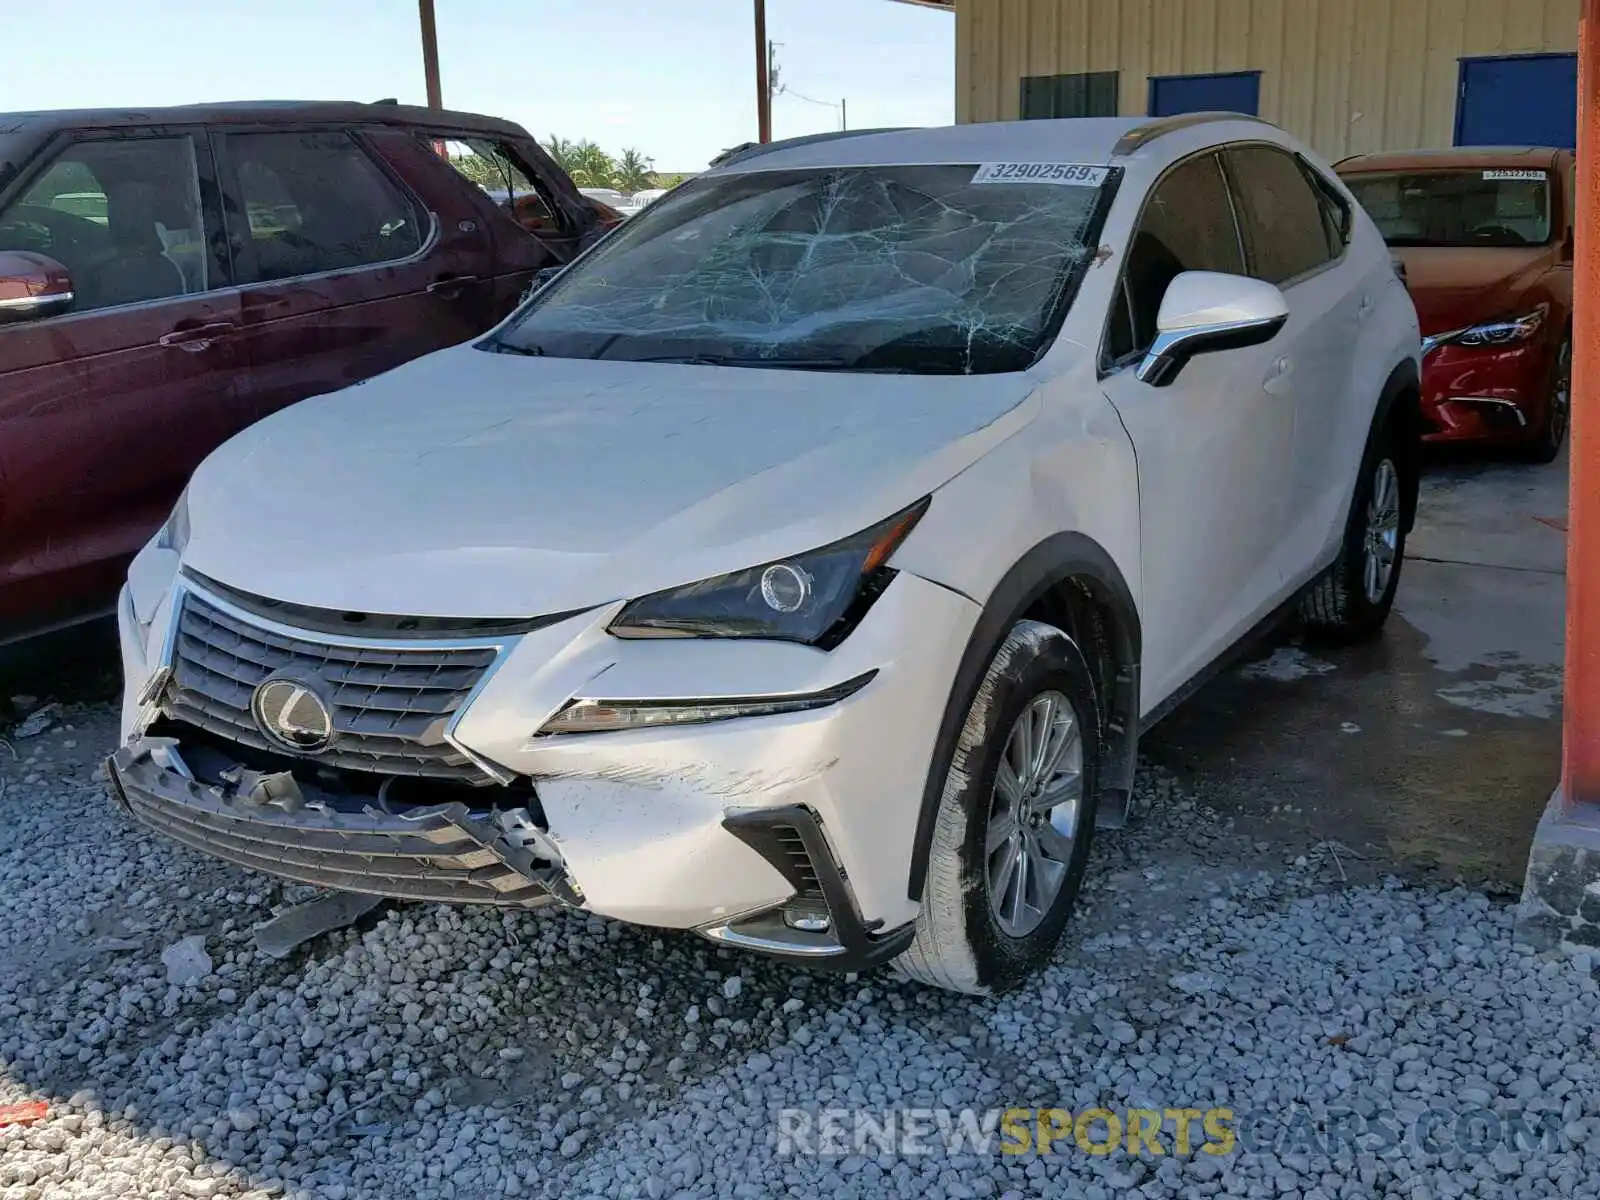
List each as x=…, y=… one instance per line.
x=729, y=360
x=499, y=347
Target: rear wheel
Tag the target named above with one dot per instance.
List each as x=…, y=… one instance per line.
x=1353, y=598
x=1011, y=840
x=1552, y=432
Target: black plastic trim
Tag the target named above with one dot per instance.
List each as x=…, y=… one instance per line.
x=861, y=945
x=379, y=625
x=1053, y=561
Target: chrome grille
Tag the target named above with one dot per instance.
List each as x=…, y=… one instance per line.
x=391, y=704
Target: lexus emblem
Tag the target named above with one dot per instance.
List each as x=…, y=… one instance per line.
x=291, y=713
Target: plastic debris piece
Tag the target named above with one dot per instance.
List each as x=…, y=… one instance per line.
x=25, y=1113
x=186, y=960
x=36, y=722
x=295, y=926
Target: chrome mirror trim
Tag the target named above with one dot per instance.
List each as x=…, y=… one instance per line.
x=1174, y=347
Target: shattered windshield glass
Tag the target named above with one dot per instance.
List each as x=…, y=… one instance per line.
x=918, y=269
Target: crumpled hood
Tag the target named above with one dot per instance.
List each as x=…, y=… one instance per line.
x=475, y=484
x=1453, y=287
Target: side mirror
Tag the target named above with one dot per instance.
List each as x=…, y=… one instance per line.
x=1204, y=311
x=32, y=285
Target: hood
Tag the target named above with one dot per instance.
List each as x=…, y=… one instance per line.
x=1456, y=286
x=473, y=484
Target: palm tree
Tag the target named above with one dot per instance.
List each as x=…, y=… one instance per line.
x=589, y=165
x=560, y=149
x=633, y=172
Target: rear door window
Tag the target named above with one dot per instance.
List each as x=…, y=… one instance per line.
x=498, y=171
x=1282, y=218
x=305, y=202
x=123, y=216
x=1187, y=225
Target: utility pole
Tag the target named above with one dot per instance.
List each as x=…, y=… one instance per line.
x=763, y=63
x=430, y=53
x=844, y=112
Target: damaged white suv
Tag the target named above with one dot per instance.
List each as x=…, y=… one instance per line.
x=800, y=566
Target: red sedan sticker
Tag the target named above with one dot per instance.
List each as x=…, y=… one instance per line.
x=1065, y=174
x=1507, y=173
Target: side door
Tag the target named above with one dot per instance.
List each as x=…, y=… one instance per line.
x=1212, y=446
x=106, y=408
x=1292, y=239
x=345, y=271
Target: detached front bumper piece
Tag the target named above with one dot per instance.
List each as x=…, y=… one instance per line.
x=444, y=852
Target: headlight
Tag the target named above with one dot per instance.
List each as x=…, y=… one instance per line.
x=1502, y=333
x=174, y=535
x=816, y=598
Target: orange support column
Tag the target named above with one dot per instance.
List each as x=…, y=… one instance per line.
x=1580, y=767
x=1560, y=908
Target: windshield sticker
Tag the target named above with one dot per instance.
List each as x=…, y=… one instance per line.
x=1064, y=174
x=1505, y=173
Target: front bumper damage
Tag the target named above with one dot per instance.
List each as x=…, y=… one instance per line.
x=789, y=835
x=268, y=822
x=450, y=853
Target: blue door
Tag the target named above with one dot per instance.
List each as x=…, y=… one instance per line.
x=1238, y=91
x=1527, y=100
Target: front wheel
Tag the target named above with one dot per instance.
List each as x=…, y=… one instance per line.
x=1546, y=443
x=1011, y=840
x=1353, y=598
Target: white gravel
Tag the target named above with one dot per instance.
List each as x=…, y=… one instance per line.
x=465, y=1053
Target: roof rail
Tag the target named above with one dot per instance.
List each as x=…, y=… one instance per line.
x=748, y=150
x=1142, y=135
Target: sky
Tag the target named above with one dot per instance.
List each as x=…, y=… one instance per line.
x=673, y=79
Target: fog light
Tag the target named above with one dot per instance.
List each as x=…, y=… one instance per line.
x=807, y=920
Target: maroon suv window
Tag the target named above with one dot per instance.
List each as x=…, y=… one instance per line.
x=314, y=201
x=122, y=215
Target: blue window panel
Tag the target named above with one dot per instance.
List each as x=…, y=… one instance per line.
x=1523, y=100
x=1237, y=91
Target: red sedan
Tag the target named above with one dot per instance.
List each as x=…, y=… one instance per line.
x=1485, y=239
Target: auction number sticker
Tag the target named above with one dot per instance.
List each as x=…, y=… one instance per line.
x=1066, y=174
x=1506, y=173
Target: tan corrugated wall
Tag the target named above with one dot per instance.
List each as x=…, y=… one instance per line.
x=1346, y=75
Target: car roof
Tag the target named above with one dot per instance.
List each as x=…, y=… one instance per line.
x=255, y=112
x=1455, y=156
x=1092, y=140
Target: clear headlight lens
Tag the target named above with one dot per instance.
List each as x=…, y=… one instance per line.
x=816, y=598
x=174, y=535
x=1502, y=333
x=607, y=716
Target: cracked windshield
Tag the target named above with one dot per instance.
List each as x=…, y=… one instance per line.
x=920, y=269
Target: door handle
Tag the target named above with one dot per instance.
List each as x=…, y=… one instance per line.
x=1280, y=370
x=449, y=285
x=195, y=338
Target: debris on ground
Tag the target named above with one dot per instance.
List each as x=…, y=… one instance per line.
x=278, y=937
x=186, y=960
x=36, y=722
x=25, y=1113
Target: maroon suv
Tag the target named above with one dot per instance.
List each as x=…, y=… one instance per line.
x=168, y=276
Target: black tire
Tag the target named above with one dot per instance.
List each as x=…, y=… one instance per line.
x=1552, y=432
x=960, y=944
x=1338, y=605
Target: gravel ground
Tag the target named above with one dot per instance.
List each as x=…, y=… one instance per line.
x=464, y=1053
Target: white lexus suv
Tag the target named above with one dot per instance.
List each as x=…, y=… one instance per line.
x=800, y=566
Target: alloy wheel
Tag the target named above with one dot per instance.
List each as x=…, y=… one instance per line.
x=1033, y=813
x=1561, y=394
x=1382, y=540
